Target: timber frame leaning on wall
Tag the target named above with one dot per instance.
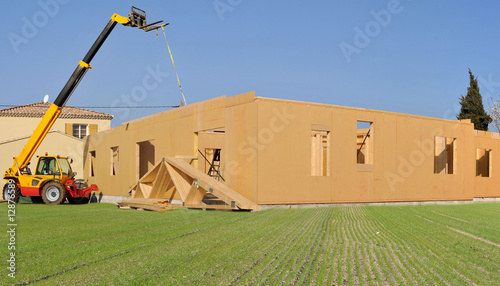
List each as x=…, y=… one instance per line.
x=289, y=152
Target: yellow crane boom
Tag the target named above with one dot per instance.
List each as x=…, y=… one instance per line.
x=136, y=18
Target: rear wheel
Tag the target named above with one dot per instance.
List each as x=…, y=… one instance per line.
x=6, y=195
x=53, y=193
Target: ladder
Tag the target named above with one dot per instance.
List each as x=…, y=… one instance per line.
x=215, y=166
x=214, y=172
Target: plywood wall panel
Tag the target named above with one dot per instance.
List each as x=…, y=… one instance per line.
x=241, y=155
x=267, y=152
x=485, y=187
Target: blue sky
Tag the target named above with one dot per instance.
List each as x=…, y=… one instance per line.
x=402, y=56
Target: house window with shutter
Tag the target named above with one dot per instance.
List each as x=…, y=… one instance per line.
x=80, y=130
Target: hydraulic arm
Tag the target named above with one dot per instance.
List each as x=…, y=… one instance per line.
x=136, y=18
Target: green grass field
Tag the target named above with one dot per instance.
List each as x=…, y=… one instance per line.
x=354, y=245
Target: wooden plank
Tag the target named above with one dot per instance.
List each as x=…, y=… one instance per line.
x=133, y=191
x=319, y=150
x=170, y=187
x=145, y=204
x=151, y=175
x=144, y=200
x=204, y=207
x=218, y=189
x=181, y=183
x=146, y=189
x=138, y=192
x=160, y=183
x=195, y=195
x=314, y=171
x=186, y=157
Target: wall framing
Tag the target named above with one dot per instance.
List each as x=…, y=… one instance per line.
x=268, y=154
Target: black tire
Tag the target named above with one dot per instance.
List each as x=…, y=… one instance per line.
x=80, y=184
x=5, y=193
x=77, y=201
x=53, y=193
x=37, y=200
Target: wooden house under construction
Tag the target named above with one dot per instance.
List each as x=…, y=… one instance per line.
x=249, y=151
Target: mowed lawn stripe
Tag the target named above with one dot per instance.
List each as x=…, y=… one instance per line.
x=466, y=245
x=474, y=246
x=142, y=253
x=264, y=265
x=311, y=252
x=215, y=252
x=417, y=265
x=318, y=250
x=263, y=255
x=410, y=263
x=286, y=271
x=385, y=251
x=362, y=240
x=353, y=228
x=59, y=245
x=253, y=247
x=482, y=225
x=427, y=239
x=343, y=265
x=321, y=264
x=421, y=238
x=331, y=272
x=382, y=260
x=371, y=236
x=317, y=254
x=186, y=253
x=239, y=244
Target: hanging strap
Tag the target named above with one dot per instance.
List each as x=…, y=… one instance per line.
x=173, y=63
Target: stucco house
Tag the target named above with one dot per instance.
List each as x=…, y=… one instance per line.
x=65, y=138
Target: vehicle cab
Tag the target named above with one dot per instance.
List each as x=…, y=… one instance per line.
x=48, y=168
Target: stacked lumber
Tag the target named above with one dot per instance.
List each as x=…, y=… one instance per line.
x=146, y=204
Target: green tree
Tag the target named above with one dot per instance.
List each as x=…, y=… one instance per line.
x=472, y=106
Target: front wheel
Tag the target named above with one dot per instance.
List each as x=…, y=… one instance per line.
x=6, y=195
x=53, y=193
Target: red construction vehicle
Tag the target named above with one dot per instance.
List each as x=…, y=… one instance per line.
x=53, y=180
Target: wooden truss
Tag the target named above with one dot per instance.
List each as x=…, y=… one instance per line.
x=196, y=189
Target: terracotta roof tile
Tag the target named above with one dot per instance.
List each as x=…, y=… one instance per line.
x=38, y=110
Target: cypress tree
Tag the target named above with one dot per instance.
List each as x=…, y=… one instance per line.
x=472, y=106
